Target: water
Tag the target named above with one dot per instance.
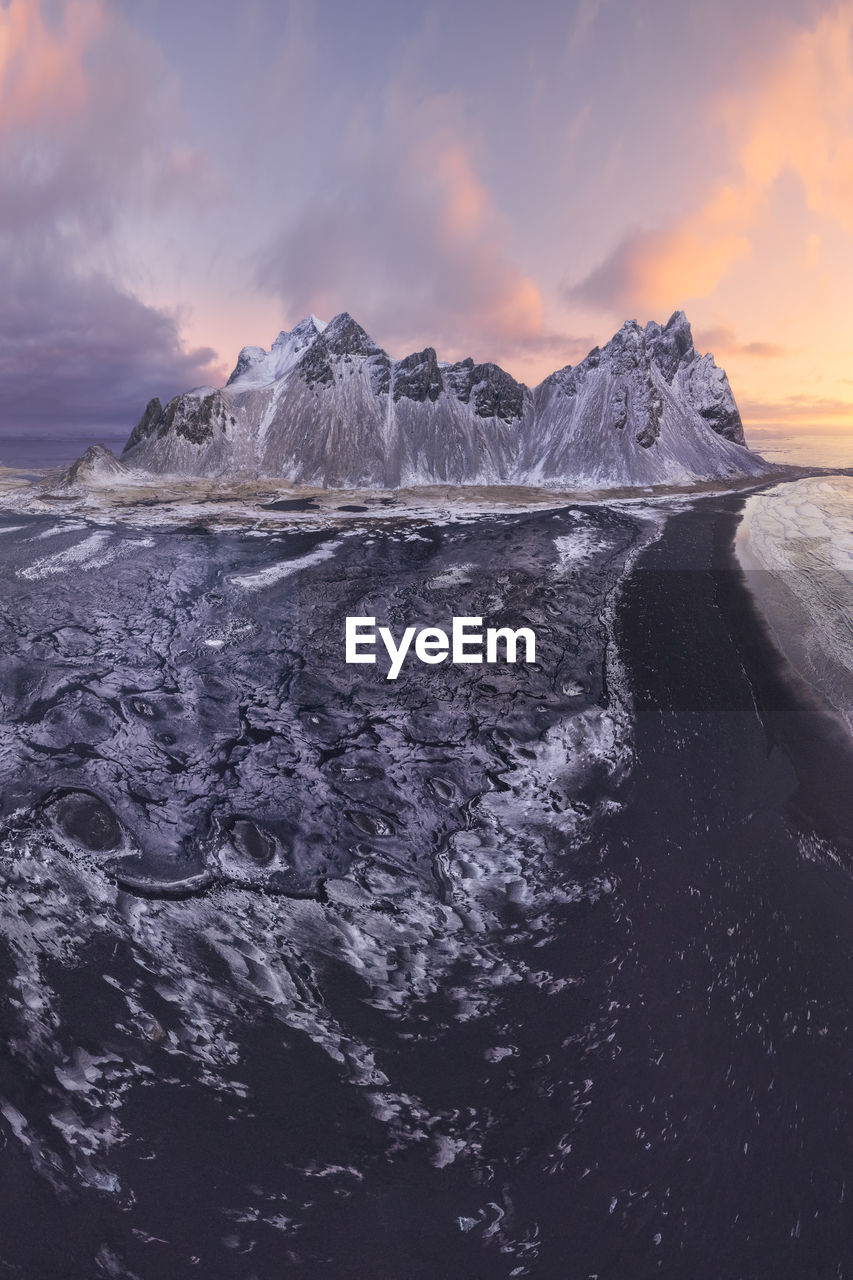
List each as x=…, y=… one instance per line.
x=535, y=972
x=275, y=932
x=803, y=447
x=35, y=449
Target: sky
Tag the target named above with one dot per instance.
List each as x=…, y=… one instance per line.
x=180, y=178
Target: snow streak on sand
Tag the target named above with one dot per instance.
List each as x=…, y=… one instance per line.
x=94, y=552
x=802, y=535
x=268, y=576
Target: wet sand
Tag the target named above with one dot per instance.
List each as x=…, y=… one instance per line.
x=703, y=1129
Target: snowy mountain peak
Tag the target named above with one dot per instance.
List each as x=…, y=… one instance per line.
x=248, y=358
x=326, y=405
x=257, y=367
x=344, y=336
x=303, y=333
x=672, y=345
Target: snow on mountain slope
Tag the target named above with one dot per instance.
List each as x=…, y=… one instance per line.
x=646, y=409
x=256, y=367
x=327, y=406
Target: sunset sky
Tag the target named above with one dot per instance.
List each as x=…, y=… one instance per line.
x=181, y=178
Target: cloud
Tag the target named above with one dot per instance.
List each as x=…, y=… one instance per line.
x=796, y=120
x=765, y=350
x=86, y=131
x=724, y=342
x=80, y=352
x=651, y=272
x=405, y=234
x=797, y=408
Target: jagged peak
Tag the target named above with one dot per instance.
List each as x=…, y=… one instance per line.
x=647, y=383
x=677, y=320
x=309, y=327
x=671, y=346
x=96, y=463
x=343, y=335
x=427, y=356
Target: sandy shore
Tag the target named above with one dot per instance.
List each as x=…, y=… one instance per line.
x=795, y=546
x=271, y=504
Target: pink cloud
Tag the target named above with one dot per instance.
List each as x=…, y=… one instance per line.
x=407, y=236
x=797, y=119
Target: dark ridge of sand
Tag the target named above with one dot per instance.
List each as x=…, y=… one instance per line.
x=716, y=1139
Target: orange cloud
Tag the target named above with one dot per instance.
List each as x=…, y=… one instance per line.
x=798, y=120
x=801, y=120
x=428, y=262
x=724, y=342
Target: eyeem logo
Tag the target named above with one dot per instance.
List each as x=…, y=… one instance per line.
x=465, y=644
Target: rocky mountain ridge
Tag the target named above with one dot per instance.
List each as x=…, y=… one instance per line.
x=326, y=405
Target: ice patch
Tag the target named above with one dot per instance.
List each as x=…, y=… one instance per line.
x=455, y=576
x=74, y=527
x=275, y=572
x=584, y=541
x=94, y=552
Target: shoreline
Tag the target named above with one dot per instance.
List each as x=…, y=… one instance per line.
x=267, y=503
x=796, y=712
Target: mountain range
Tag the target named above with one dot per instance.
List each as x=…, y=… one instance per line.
x=327, y=406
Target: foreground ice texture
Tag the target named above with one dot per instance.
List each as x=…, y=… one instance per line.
x=250, y=897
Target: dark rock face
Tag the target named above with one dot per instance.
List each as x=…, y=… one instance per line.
x=704, y=386
x=725, y=420
x=193, y=418
x=494, y=393
x=198, y=427
x=146, y=424
x=627, y=352
x=650, y=431
x=497, y=394
x=345, y=337
x=342, y=341
x=671, y=345
x=460, y=379
x=315, y=366
x=418, y=377
x=619, y=406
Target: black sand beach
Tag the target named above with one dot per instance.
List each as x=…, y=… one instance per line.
x=628, y=1056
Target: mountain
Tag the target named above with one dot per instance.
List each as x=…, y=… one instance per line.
x=98, y=466
x=327, y=406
